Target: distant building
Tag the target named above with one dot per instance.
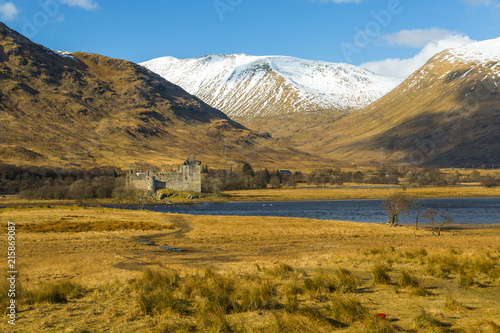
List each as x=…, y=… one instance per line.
x=186, y=178
x=285, y=172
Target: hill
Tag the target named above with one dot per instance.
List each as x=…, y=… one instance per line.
x=87, y=110
x=447, y=113
x=245, y=87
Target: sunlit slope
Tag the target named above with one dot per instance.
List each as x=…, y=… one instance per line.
x=84, y=109
x=446, y=113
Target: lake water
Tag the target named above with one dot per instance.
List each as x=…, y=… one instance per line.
x=469, y=210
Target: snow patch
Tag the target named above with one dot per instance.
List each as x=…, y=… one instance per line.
x=243, y=85
x=482, y=52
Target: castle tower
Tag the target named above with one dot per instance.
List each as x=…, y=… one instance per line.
x=191, y=174
x=151, y=180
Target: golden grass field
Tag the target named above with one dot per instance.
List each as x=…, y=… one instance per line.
x=247, y=274
x=293, y=194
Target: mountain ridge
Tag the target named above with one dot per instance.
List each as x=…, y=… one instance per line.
x=88, y=110
x=231, y=82
x=446, y=113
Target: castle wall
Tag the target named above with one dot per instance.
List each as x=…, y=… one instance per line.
x=187, y=178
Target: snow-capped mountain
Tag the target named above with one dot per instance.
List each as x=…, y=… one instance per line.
x=446, y=113
x=246, y=86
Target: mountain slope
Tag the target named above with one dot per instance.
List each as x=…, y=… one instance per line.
x=446, y=113
x=88, y=110
x=245, y=86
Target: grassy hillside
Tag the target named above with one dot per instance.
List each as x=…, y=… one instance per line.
x=90, y=110
x=445, y=114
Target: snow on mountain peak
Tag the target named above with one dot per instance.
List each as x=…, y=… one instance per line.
x=484, y=52
x=246, y=86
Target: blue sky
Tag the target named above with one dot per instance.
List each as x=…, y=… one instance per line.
x=387, y=36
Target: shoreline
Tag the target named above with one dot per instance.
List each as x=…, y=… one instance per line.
x=281, y=194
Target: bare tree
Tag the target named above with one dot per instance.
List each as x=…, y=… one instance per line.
x=436, y=228
x=417, y=204
x=394, y=206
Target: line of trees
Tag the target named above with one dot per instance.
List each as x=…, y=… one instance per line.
x=34, y=182
x=244, y=178
x=399, y=203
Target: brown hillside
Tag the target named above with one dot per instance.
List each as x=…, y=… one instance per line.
x=88, y=110
x=446, y=114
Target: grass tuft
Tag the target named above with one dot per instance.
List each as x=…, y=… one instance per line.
x=424, y=321
x=453, y=305
x=375, y=325
x=320, y=285
x=347, y=309
x=381, y=274
x=495, y=328
x=406, y=280
x=346, y=281
x=282, y=271
x=466, y=277
x=58, y=292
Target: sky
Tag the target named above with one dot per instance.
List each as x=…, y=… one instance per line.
x=390, y=37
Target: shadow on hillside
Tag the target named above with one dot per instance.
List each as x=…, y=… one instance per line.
x=468, y=134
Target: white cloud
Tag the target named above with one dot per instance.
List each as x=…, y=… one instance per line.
x=405, y=67
x=85, y=4
x=417, y=37
x=8, y=11
x=492, y=3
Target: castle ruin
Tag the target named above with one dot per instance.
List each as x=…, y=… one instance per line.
x=186, y=178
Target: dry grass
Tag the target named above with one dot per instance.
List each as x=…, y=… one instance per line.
x=71, y=226
x=296, y=194
x=253, y=274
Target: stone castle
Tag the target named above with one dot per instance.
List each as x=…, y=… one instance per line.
x=186, y=178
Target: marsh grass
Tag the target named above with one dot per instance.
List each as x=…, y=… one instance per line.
x=381, y=274
x=346, y=309
x=346, y=281
x=406, y=279
x=71, y=226
x=375, y=325
x=466, y=278
x=495, y=328
x=453, y=305
x=262, y=295
x=320, y=285
x=442, y=265
x=282, y=271
x=55, y=292
x=178, y=295
x=415, y=254
x=284, y=322
x=426, y=322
